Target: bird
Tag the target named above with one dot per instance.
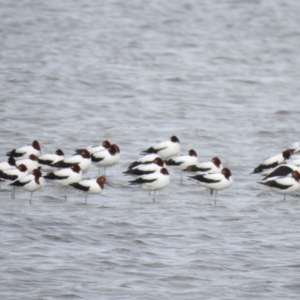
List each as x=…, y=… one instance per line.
x=184, y=161
x=105, y=145
x=46, y=161
x=31, y=162
x=146, y=159
x=154, y=181
x=63, y=177
x=165, y=149
x=272, y=162
x=216, y=181
x=106, y=158
x=25, y=151
x=13, y=174
x=10, y=163
x=10, y=175
x=82, y=157
x=90, y=186
x=211, y=167
x=30, y=182
x=145, y=169
x=284, y=185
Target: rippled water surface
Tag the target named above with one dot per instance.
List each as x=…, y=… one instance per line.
x=223, y=76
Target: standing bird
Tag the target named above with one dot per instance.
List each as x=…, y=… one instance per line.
x=106, y=158
x=46, y=161
x=211, y=167
x=165, y=149
x=284, y=185
x=183, y=162
x=30, y=182
x=82, y=158
x=216, y=181
x=10, y=175
x=272, y=162
x=63, y=177
x=155, y=181
x=145, y=169
x=90, y=186
x=25, y=151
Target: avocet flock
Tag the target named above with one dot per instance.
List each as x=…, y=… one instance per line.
x=25, y=166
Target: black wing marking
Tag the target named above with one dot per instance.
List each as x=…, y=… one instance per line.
x=171, y=162
x=280, y=171
x=137, y=172
x=47, y=162
x=136, y=163
x=141, y=180
x=8, y=176
x=152, y=150
x=19, y=183
x=79, y=186
x=95, y=159
x=53, y=176
x=61, y=164
x=262, y=167
x=204, y=179
x=194, y=168
x=14, y=153
x=275, y=184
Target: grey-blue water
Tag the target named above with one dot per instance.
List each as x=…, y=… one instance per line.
x=223, y=76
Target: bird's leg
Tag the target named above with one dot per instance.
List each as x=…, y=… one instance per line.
x=215, y=197
x=13, y=192
x=154, y=196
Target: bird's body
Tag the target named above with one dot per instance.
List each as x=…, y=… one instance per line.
x=165, y=149
x=30, y=182
x=25, y=151
x=211, y=167
x=46, y=161
x=155, y=181
x=82, y=158
x=272, y=162
x=284, y=185
x=145, y=169
x=107, y=157
x=90, y=186
x=216, y=181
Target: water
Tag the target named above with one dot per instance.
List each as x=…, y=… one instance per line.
x=223, y=76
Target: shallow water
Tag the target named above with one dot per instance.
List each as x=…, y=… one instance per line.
x=222, y=76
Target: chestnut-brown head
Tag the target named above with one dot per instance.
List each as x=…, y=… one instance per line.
x=59, y=152
x=296, y=175
x=101, y=181
x=36, y=145
x=226, y=172
x=22, y=168
x=76, y=168
x=216, y=161
x=33, y=157
x=192, y=152
x=164, y=171
x=106, y=144
x=287, y=153
x=174, y=139
x=159, y=161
